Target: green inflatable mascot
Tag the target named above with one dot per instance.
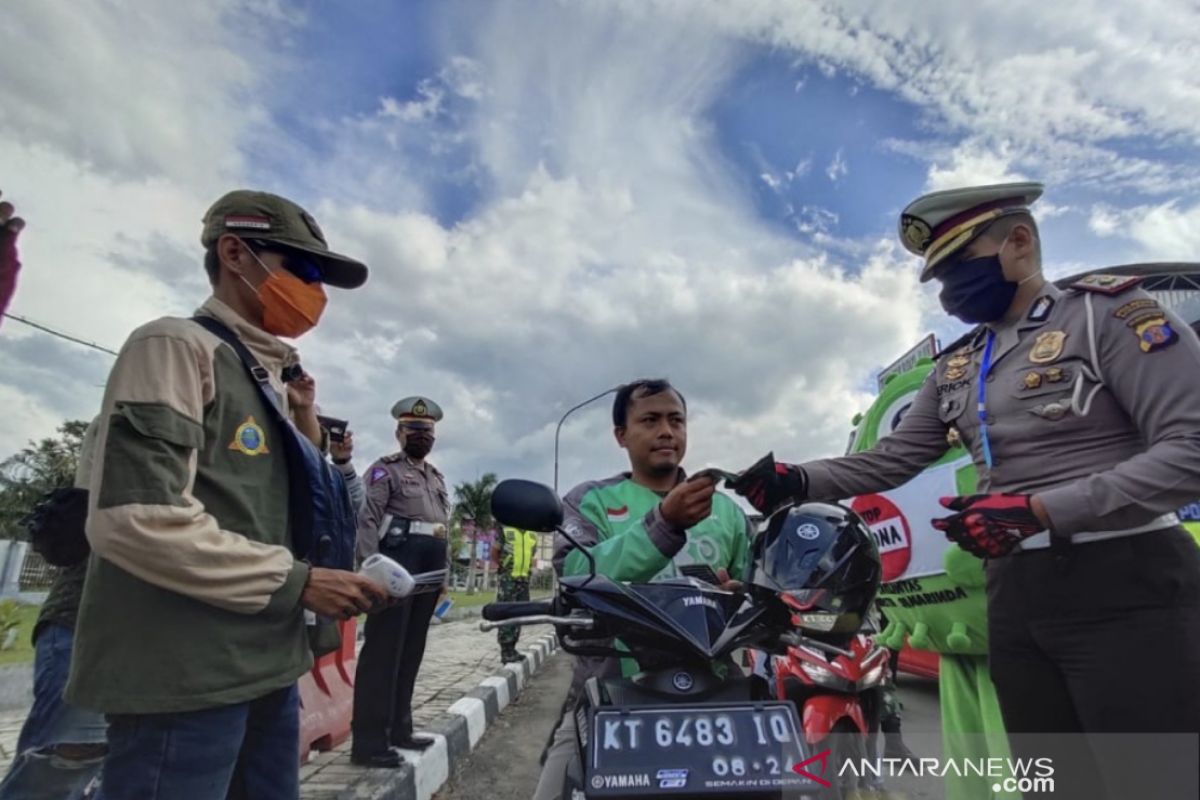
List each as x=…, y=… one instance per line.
x=933, y=593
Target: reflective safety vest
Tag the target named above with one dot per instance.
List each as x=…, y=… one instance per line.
x=518, y=552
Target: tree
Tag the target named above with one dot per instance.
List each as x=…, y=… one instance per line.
x=474, y=501
x=35, y=470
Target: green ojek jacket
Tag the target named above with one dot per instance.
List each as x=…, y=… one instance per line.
x=620, y=524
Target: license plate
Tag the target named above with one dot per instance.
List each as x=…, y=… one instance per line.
x=733, y=750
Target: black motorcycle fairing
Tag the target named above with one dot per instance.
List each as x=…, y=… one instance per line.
x=661, y=616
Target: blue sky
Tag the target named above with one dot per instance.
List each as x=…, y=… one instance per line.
x=557, y=196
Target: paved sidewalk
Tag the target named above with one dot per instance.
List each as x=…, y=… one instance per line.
x=457, y=658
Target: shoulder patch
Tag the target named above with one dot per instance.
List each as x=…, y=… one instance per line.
x=1106, y=284
x=249, y=439
x=1137, y=308
x=1155, y=333
x=377, y=474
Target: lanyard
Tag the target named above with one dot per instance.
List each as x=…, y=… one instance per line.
x=983, y=374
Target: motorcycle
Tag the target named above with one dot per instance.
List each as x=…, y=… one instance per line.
x=837, y=688
x=690, y=723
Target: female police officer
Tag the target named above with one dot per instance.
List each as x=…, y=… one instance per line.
x=1079, y=408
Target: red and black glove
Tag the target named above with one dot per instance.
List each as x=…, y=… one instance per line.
x=989, y=525
x=769, y=484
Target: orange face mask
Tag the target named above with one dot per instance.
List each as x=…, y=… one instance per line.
x=291, y=307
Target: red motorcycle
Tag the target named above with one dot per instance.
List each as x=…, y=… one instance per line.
x=835, y=683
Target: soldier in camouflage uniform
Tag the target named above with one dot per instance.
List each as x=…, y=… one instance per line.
x=514, y=558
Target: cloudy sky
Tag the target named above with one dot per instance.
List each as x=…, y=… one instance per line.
x=558, y=196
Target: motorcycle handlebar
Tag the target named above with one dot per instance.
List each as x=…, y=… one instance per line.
x=498, y=612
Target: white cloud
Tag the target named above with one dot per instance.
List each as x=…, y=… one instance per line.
x=837, y=168
x=607, y=236
x=1164, y=232
x=1025, y=75
x=140, y=89
x=814, y=219
x=972, y=163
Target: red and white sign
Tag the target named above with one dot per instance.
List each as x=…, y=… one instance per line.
x=909, y=546
x=891, y=531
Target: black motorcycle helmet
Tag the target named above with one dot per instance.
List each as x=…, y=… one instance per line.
x=823, y=562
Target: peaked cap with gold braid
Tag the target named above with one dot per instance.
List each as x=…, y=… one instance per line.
x=939, y=224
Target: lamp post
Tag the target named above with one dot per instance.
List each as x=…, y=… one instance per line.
x=571, y=411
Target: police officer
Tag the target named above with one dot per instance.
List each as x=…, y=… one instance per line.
x=514, y=555
x=405, y=518
x=1079, y=410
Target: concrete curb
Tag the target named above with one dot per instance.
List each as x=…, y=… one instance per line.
x=456, y=734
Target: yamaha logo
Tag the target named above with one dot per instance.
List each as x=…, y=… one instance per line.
x=683, y=681
x=808, y=532
x=597, y=781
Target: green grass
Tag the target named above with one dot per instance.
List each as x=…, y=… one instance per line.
x=464, y=600
x=22, y=649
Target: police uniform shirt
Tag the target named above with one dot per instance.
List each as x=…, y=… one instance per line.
x=1092, y=401
x=397, y=486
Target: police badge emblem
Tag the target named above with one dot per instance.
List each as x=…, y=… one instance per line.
x=1047, y=347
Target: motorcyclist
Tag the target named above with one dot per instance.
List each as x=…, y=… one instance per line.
x=641, y=525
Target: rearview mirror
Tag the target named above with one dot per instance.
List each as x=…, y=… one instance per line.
x=526, y=505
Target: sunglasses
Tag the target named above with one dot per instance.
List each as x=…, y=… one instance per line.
x=301, y=264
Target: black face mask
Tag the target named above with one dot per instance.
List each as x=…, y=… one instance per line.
x=976, y=290
x=418, y=445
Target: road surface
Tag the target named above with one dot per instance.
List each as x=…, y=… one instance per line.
x=505, y=765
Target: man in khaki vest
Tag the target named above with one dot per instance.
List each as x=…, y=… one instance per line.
x=191, y=630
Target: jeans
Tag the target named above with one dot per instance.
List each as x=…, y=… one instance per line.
x=248, y=750
x=60, y=747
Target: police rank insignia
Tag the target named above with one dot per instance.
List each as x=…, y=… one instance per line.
x=1032, y=380
x=249, y=439
x=1155, y=334
x=1047, y=347
x=1041, y=309
x=1106, y=284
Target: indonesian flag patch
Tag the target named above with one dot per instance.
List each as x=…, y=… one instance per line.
x=617, y=514
x=248, y=221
